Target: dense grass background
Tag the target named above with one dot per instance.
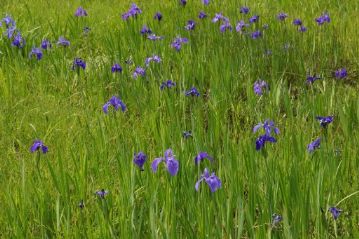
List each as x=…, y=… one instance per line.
x=89, y=150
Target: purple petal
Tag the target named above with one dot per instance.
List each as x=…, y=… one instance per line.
x=172, y=166
x=198, y=183
x=257, y=127
x=155, y=164
x=105, y=107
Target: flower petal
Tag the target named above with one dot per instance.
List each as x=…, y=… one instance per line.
x=172, y=166
x=155, y=164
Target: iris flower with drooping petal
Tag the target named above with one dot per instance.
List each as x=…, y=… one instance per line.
x=37, y=145
x=116, y=103
x=171, y=162
x=213, y=182
x=201, y=156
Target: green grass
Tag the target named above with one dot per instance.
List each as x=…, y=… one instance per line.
x=89, y=150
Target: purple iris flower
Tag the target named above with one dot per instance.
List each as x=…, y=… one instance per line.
x=268, y=126
x=202, y=15
x=341, y=73
x=225, y=26
x=46, y=44
x=276, y=219
x=18, y=41
x=10, y=31
x=256, y=34
x=324, y=121
x=101, y=193
x=145, y=30
x=116, y=103
x=241, y=25
x=205, y=2
x=37, y=52
x=260, y=86
x=218, y=17
x=297, y=22
x=190, y=25
x=132, y=12
x=183, y=2
x=80, y=12
x=192, y=92
x=323, y=19
x=311, y=79
x=261, y=140
x=244, y=10
x=153, y=37
x=116, y=68
x=153, y=58
x=78, y=63
x=282, y=16
x=335, y=212
x=63, y=42
x=313, y=145
x=139, y=71
x=158, y=16
x=254, y=19
x=201, y=156
x=187, y=134
x=302, y=28
x=178, y=41
x=167, y=84
x=37, y=145
x=9, y=22
x=171, y=163
x=212, y=181
x=139, y=159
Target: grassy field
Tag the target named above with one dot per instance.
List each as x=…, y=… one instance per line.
x=89, y=150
